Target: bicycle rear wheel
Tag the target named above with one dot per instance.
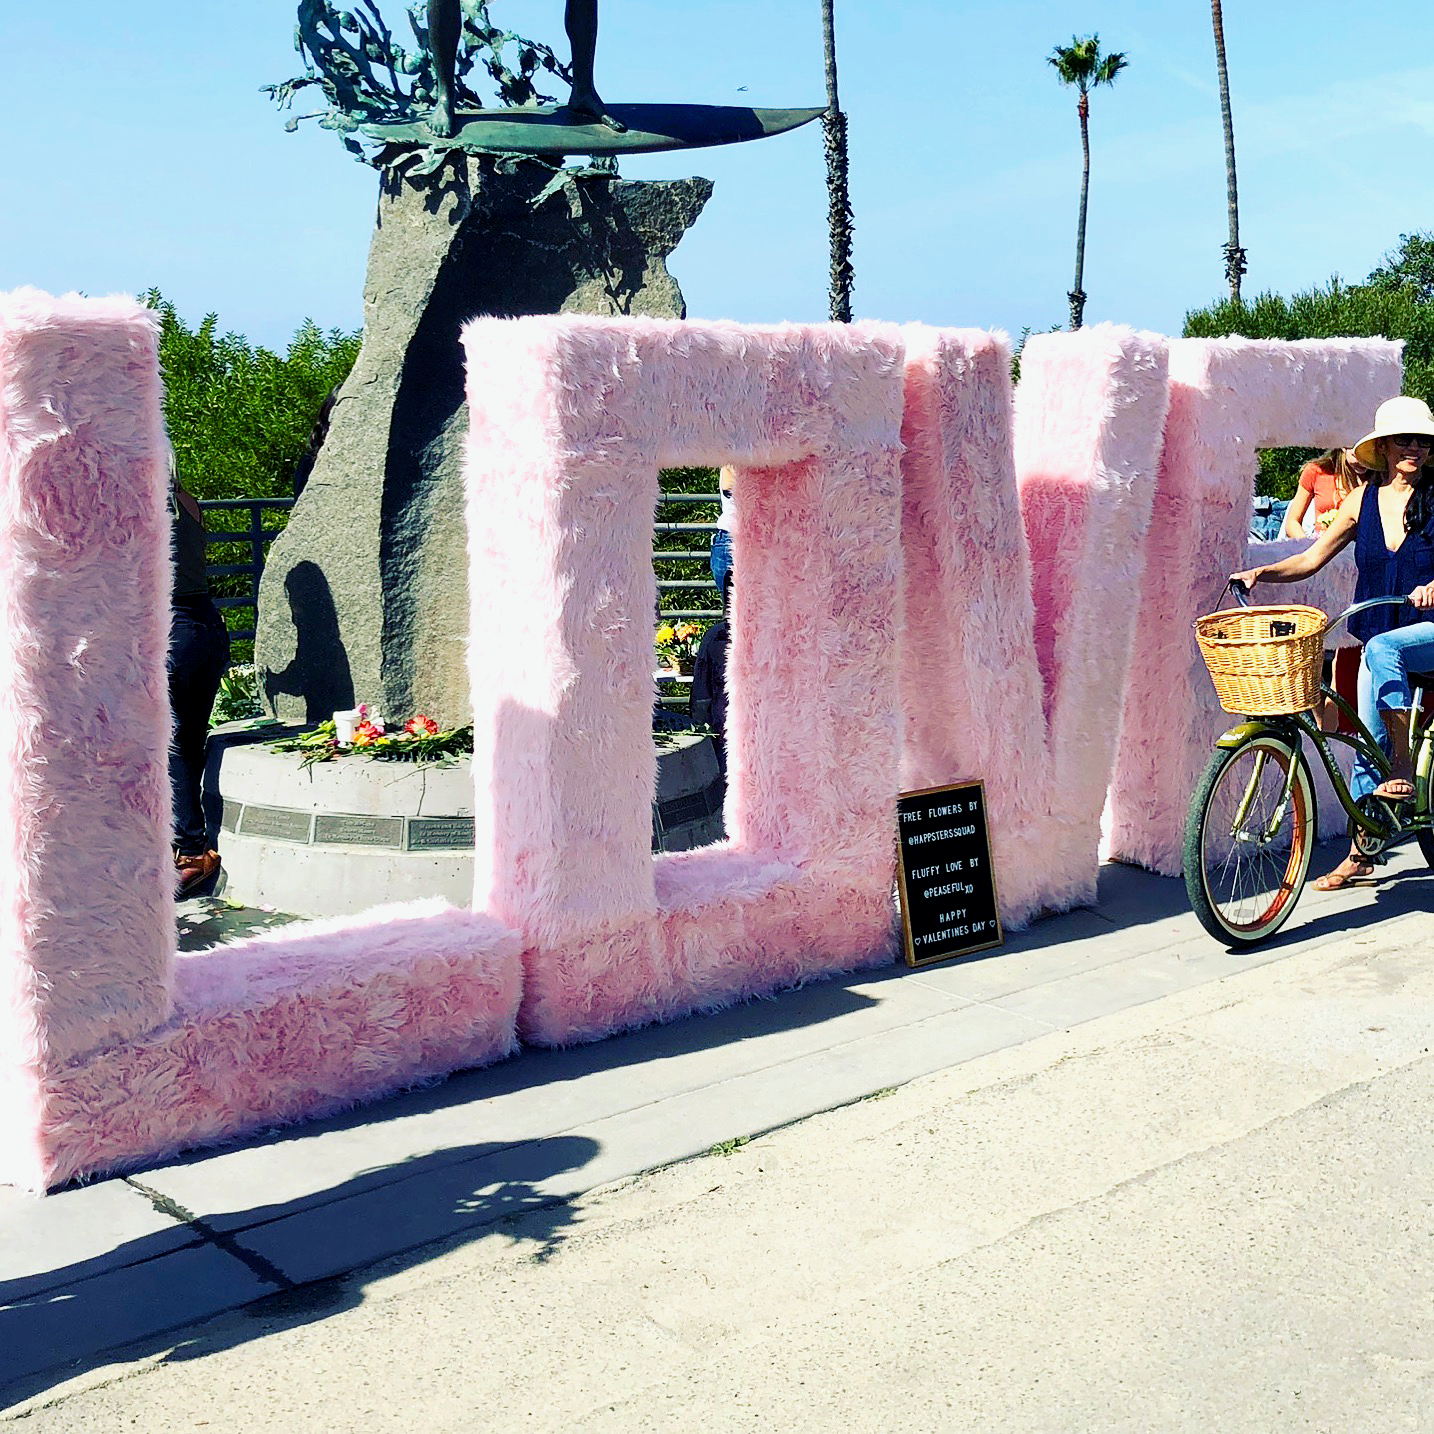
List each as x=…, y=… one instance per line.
x=1247, y=851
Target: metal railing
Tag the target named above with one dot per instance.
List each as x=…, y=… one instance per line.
x=663, y=559
x=256, y=537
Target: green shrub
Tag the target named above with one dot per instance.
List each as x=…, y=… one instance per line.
x=240, y=418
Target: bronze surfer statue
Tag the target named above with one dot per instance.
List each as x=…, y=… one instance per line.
x=445, y=27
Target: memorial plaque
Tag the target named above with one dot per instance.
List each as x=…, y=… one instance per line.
x=948, y=888
x=440, y=833
x=229, y=822
x=341, y=830
x=280, y=823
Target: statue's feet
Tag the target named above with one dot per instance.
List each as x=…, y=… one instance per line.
x=587, y=106
x=440, y=118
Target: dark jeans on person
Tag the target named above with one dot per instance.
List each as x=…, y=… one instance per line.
x=198, y=658
x=720, y=560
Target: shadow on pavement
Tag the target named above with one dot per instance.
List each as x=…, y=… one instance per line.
x=1400, y=893
x=536, y=1067
x=204, y=922
x=66, y=1322
x=282, y=1265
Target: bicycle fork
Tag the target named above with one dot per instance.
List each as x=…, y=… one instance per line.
x=1252, y=787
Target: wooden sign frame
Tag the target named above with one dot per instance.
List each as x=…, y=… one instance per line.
x=973, y=814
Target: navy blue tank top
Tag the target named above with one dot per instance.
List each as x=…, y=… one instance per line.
x=1383, y=574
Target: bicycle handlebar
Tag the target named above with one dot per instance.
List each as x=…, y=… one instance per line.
x=1241, y=593
x=1349, y=612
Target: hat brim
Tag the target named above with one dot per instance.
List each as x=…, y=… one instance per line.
x=1366, y=454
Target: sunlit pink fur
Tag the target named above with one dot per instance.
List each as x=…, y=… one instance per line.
x=1229, y=397
x=1026, y=569
x=571, y=420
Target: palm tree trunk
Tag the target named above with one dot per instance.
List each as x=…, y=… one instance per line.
x=1234, y=255
x=839, y=217
x=1077, y=294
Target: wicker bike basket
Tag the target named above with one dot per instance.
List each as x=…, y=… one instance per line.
x=1264, y=661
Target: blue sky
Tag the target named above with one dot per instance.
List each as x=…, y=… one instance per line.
x=140, y=152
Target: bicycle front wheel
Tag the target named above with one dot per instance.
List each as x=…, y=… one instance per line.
x=1247, y=847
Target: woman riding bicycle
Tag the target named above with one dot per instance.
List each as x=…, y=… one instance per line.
x=1391, y=523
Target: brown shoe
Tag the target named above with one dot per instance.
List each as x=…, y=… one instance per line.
x=194, y=871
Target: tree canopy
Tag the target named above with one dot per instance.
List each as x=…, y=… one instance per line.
x=240, y=416
x=1081, y=63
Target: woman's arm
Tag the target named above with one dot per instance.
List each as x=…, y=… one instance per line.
x=1294, y=524
x=1336, y=537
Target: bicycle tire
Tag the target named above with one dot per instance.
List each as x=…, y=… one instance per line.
x=1242, y=887
x=1426, y=845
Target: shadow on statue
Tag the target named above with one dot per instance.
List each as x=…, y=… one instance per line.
x=382, y=519
x=319, y=672
x=595, y=249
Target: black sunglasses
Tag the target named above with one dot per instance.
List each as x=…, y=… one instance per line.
x=1412, y=440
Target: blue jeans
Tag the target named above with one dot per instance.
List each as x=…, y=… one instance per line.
x=1384, y=686
x=721, y=559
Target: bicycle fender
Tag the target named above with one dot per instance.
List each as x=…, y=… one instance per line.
x=1243, y=731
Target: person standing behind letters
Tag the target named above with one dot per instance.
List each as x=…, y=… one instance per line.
x=720, y=559
x=198, y=658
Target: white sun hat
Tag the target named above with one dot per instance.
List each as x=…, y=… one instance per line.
x=1394, y=415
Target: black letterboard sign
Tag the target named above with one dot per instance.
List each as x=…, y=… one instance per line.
x=948, y=889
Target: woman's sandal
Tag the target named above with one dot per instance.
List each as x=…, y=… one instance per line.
x=1338, y=879
x=1396, y=789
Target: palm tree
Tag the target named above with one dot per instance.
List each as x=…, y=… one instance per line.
x=1234, y=255
x=838, y=195
x=1081, y=64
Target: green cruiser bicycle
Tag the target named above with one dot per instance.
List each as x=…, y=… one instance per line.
x=1252, y=825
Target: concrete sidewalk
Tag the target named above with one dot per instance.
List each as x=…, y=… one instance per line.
x=100, y=1277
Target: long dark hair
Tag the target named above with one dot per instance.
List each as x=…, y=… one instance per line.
x=1421, y=502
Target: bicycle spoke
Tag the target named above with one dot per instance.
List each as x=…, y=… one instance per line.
x=1250, y=841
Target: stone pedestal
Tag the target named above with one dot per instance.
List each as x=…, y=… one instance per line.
x=336, y=838
x=364, y=597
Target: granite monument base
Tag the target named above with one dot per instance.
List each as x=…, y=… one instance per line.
x=364, y=596
x=335, y=838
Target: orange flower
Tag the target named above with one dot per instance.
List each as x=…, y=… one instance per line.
x=421, y=726
x=366, y=734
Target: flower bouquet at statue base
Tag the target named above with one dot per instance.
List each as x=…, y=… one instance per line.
x=365, y=732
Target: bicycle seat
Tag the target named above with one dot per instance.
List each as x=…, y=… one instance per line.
x=1421, y=679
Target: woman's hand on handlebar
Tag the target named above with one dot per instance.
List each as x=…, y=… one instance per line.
x=1423, y=596
x=1246, y=580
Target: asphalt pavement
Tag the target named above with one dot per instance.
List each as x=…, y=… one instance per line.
x=1111, y=1176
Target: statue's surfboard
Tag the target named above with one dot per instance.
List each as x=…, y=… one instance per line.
x=550, y=130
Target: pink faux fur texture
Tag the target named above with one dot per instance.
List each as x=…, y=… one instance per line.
x=107, y=1056
x=86, y=919
x=1228, y=398
x=84, y=707
x=1090, y=413
x=290, y=1025
x=571, y=418
x=992, y=647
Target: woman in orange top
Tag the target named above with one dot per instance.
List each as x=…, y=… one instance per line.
x=1326, y=482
